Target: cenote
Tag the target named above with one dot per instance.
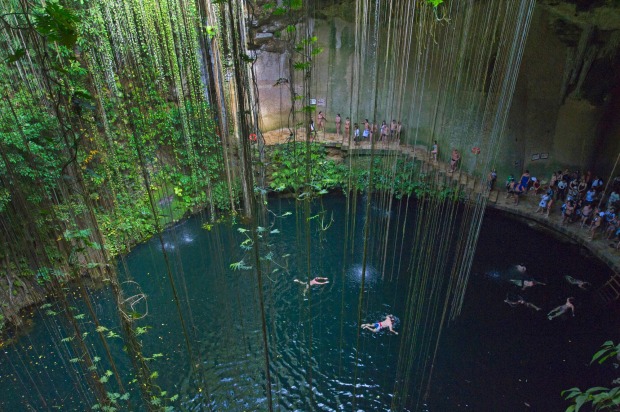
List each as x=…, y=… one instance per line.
x=176, y=176
x=492, y=357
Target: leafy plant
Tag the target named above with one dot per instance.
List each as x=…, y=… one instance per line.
x=599, y=397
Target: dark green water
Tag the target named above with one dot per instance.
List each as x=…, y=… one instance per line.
x=494, y=357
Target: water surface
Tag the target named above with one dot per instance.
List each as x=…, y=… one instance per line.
x=493, y=357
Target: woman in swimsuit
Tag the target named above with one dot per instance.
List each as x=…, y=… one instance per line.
x=338, y=123
x=456, y=156
x=321, y=120
x=525, y=180
x=316, y=281
x=388, y=322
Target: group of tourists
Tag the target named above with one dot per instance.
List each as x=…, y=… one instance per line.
x=387, y=323
x=583, y=198
x=525, y=282
x=383, y=132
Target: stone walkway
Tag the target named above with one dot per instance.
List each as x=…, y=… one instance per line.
x=526, y=208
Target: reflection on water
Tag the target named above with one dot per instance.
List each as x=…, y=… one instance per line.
x=356, y=271
x=315, y=363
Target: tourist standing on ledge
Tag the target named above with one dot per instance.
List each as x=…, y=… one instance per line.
x=524, y=181
x=366, y=134
x=356, y=136
x=393, y=127
x=597, y=184
x=347, y=129
x=456, y=156
x=435, y=151
x=321, y=120
x=562, y=189
x=312, y=131
x=338, y=123
x=384, y=132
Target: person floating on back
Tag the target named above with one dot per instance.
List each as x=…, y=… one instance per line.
x=560, y=310
x=524, y=284
x=316, y=281
x=388, y=323
x=580, y=283
x=520, y=301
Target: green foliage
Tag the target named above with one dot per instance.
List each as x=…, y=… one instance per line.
x=402, y=178
x=434, y=3
x=289, y=164
x=600, y=398
x=57, y=24
x=211, y=31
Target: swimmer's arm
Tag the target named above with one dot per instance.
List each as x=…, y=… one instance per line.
x=393, y=331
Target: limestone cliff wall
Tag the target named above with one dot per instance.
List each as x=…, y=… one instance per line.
x=567, y=101
x=565, y=110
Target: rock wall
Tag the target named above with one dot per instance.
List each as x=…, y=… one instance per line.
x=566, y=106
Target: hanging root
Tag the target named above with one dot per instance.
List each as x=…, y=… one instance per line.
x=440, y=19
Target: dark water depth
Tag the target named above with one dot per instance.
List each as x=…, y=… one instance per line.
x=494, y=357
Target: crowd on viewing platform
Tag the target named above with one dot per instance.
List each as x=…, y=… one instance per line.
x=576, y=198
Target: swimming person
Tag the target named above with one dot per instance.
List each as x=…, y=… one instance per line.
x=524, y=284
x=316, y=281
x=520, y=301
x=580, y=283
x=388, y=322
x=521, y=268
x=560, y=310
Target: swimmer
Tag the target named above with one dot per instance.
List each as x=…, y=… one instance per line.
x=524, y=284
x=388, y=322
x=316, y=281
x=560, y=310
x=521, y=268
x=520, y=301
x=580, y=283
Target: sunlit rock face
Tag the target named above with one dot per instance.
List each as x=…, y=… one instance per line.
x=565, y=101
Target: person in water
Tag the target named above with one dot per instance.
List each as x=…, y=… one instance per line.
x=560, y=310
x=580, y=283
x=520, y=301
x=316, y=281
x=524, y=284
x=388, y=322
